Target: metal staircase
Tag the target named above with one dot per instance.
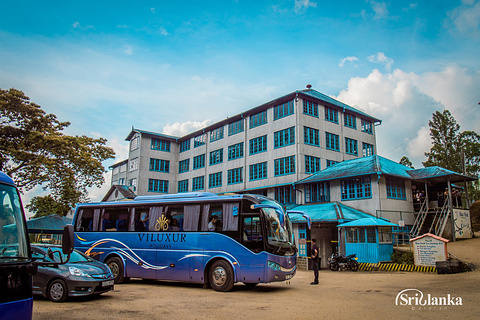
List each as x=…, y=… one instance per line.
x=420, y=220
x=441, y=217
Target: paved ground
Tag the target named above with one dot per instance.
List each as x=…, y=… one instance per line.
x=340, y=295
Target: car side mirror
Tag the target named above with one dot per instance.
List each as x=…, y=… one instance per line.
x=67, y=240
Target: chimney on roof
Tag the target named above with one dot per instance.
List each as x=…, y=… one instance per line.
x=309, y=86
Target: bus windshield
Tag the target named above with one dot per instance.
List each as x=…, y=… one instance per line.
x=279, y=236
x=13, y=246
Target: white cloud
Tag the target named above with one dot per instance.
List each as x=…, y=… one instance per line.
x=350, y=59
x=76, y=24
x=152, y=10
x=302, y=5
x=128, y=50
x=405, y=103
x=382, y=59
x=380, y=9
x=180, y=129
x=465, y=19
x=163, y=31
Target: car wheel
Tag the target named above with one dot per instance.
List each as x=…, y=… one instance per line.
x=221, y=276
x=57, y=291
x=116, y=266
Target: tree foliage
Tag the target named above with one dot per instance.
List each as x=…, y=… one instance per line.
x=449, y=144
x=406, y=162
x=453, y=149
x=34, y=151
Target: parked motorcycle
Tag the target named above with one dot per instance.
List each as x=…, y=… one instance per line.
x=340, y=262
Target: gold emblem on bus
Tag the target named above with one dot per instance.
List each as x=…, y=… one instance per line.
x=162, y=224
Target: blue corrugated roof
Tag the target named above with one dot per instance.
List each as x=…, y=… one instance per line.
x=366, y=222
x=360, y=167
x=321, y=96
x=438, y=173
x=328, y=212
x=51, y=222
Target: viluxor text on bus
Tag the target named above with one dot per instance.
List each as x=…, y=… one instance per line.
x=168, y=237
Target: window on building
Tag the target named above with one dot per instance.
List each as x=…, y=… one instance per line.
x=395, y=188
x=159, y=165
x=132, y=183
x=123, y=168
x=284, y=166
x=351, y=146
x=199, y=140
x=135, y=143
x=258, y=145
x=312, y=164
x=235, y=176
x=371, y=235
x=216, y=156
x=215, y=180
x=236, y=127
x=258, y=171
x=184, y=166
x=310, y=108
x=350, y=121
x=332, y=141
x=351, y=234
x=331, y=163
x=199, y=161
x=183, y=186
x=133, y=165
x=356, y=188
x=121, y=181
x=285, y=195
x=185, y=145
x=284, y=137
x=385, y=234
x=367, y=126
x=235, y=151
x=331, y=115
x=317, y=192
x=115, y=171
x=160, y=144
x=198, y=183
x=216, y=134
x=311, y=136
x=282, y=110
x=368, y=149
x=155, y=185
x=258, y=119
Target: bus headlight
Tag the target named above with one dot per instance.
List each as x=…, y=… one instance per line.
x=274, y=266
x=77, y=272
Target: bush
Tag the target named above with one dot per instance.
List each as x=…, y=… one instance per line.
x=402, y=257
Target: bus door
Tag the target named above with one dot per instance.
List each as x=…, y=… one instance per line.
x=252, y=239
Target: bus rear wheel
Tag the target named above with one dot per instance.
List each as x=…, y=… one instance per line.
x=116, y=266
x=220, y=276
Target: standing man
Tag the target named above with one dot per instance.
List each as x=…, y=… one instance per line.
x=315, y=260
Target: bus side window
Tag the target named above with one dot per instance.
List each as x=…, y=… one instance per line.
x=84, y=220
x=191, y=218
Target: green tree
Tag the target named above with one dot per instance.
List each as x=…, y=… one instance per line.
x=406, y=162
x=34, y=151
x=452, y=149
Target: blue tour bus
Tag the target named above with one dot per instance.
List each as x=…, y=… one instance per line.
x=16, y=266
x=174, y=237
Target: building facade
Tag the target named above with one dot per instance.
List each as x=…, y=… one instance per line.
x=262, y=150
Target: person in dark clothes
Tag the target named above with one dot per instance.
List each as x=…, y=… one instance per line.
x=315, y=260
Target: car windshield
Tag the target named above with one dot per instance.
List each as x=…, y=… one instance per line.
x=13, y=244
x=75, y=256
x=278, y=235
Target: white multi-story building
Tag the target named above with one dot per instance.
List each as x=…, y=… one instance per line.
x=262, y=150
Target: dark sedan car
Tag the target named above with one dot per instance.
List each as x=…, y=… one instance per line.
x=81, y=276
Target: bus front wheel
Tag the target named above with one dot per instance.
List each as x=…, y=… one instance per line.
x=221, y=276
x=116, y=266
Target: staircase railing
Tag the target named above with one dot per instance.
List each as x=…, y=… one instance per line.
x=420, y=220
x=442, y=218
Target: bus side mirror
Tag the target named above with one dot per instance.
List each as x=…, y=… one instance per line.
x=67, y=240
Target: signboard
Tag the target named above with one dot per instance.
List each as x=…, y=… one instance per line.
x=463, y=228
x=428, y=250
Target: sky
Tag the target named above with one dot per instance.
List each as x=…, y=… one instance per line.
x=174, y=67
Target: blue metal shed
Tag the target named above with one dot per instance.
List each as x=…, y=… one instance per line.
x=369, y=238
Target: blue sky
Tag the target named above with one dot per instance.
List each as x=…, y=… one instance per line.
x=173, y=67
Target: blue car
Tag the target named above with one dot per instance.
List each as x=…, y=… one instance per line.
x=80, y=276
